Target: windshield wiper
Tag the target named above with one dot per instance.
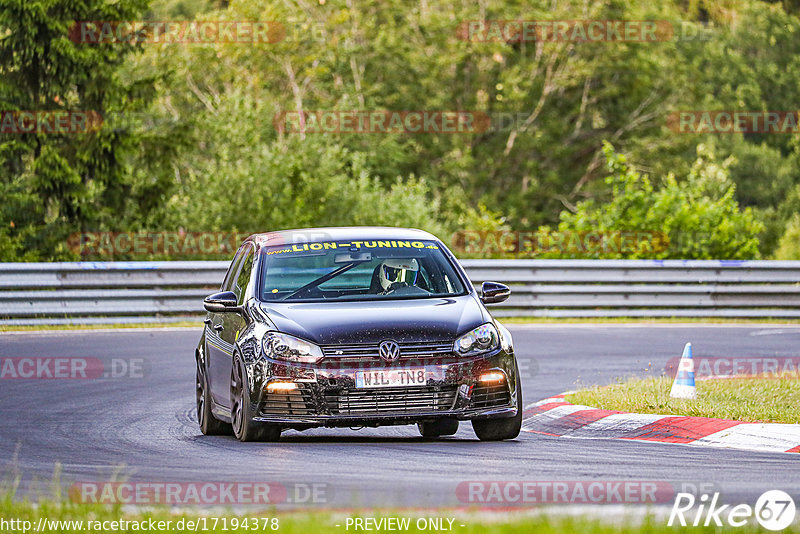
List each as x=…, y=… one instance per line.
x=322, y=279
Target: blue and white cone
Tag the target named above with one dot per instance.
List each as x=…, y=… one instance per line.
x=683, y=387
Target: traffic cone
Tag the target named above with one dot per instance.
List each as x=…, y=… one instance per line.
x=683, y=387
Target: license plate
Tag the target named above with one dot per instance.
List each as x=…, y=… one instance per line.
x=389, y=378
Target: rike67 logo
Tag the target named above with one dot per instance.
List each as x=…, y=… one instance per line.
x=774, y=510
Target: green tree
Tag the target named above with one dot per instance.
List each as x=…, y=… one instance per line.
x=391, y=55
x=749, y=61
x=56, y=184
x=565, y=97
x=699, y=216
x=246, y=181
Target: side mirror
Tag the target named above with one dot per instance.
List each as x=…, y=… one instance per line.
x=492, y=292
x=221, y=302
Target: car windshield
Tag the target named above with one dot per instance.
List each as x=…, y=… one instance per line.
x=357, y=270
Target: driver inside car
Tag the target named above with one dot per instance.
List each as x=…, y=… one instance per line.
x=398, y=272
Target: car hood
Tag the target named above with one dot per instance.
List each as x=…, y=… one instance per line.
x=329, y=323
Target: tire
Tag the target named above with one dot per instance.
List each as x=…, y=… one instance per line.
x=439, y=427
x=244, y=428
x=501, y=429
x=209, y=425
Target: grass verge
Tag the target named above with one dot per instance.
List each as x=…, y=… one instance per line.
x=759, y=400
x=38, y=328
x=75, y=518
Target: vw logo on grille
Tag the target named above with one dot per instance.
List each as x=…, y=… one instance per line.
x=389, y=351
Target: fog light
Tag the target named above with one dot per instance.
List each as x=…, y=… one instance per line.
x=275, y=387
x=494, y=376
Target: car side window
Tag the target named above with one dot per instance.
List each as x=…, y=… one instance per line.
x=232, y=270
x=243, y=277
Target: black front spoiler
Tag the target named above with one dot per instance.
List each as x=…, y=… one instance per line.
x=385, y=419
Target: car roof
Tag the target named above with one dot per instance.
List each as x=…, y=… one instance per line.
x=341, y=233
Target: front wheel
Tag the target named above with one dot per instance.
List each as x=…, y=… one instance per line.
x=500, y=429
x=244, y=428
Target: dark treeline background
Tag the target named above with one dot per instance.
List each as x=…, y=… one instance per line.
x=188, y=141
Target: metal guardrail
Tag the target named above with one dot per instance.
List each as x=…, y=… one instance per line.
x=109, y=292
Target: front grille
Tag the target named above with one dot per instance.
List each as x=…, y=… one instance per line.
x=490, y=396
x=296, y=402
x=387, y=401
x=369, y=351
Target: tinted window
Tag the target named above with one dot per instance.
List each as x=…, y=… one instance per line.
x=243, y=276
x=357, y=270
x=232, y=270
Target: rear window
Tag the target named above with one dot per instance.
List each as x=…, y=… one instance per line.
x=357, y=270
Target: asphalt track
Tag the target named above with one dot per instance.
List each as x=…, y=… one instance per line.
x=143, y=428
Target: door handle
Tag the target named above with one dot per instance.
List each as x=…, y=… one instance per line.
x=219, y=327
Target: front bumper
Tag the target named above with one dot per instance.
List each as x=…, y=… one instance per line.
x=326, y=393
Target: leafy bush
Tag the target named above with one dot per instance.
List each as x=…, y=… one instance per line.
x=253, y=183
x=698, y=216
x=789, y=246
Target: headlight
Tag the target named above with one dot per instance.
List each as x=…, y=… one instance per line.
x=483, y=339
x=280, y=346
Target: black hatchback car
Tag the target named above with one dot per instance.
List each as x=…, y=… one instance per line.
x=353, y=327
